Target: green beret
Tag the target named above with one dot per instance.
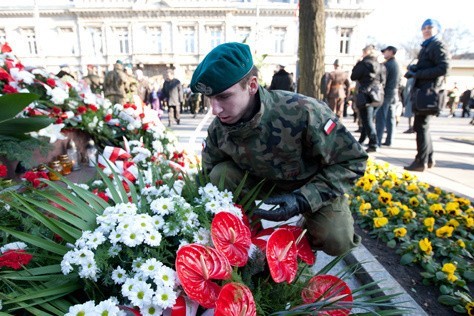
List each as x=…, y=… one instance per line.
x=223, y=67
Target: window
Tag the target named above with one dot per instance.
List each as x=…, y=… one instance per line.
x=242, y=33
x=67, y=39
x=95, y=40
x=3, y=36
x=215, y=33
x=123, y=41
x=155, y=39
x=29, y=40
x=344, y=40
x=279, y=39
x=189, y=34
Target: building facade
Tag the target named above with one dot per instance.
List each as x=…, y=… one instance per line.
x=171, y=33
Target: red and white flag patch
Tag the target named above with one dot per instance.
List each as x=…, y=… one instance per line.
x=330, y=124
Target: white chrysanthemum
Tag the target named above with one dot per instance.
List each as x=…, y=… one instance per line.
x=132, y=237
x=89, y=271
x=150, y=267
x=119, y=275
x=58, y=95
x=114, y=250
x=158, y=222
x=202, y=236
x=209, y=191
x=178, y=186
x=144, y=222
x=141, y=154
x=170, y=229
x=87, y=308
x=162, y=206
x=97, y=183
x=17, y=245
x=231, y=209
x=116, y=236
x=157, y=146
x=141, y=294
x=151, y=310
x=127, y=208
x=137, y=263
x=153, y=238
x=66, y=267
x=164, y=297
x=165, y=276
x=81, y=185
x=90, y=240
x=109, y=307
x=212, y=206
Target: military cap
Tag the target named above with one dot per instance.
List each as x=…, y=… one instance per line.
x=223, y=67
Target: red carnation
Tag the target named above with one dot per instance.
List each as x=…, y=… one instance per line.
x=4, y=76
x=127, y=105
x=108, y=117
x=50, y=82
x=93, y=107
x=81, y=109
x=102, y=195
x=3, y=171
x=6, y=48
x=56, y=110
x=58, y=121
x=142, y=115
x=15, y=259
x=33, y=177
x=145, y=126
x=9, y=89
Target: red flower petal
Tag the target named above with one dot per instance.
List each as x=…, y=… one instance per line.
x=328, y=287
x=15, y=258
x=260, y=239
x=281, y=256
x=235, y=299
x=303, y=247
x=231, y=237
x=196, y=266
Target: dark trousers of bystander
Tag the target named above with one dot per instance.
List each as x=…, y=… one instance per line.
x=424, y=145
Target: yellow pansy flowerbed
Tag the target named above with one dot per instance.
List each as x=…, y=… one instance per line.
x=426, y=225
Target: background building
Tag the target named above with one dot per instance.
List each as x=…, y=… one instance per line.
x=172, y=33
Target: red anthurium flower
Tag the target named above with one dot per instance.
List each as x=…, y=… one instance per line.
x=50, y=82
x=9, y=89
x=5, y=76
x=3, y=171
x=328, y=287
x=303, y=247
x=231, y=237
x=260, y=239
x=235, y=299
x=196, y=266
x=281, y=256
x=15, y=258
x=179, y=308
x=6, y=48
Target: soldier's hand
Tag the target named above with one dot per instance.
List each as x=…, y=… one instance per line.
x=290, y=205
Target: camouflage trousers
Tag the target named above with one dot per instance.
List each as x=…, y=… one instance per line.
x=330, y=228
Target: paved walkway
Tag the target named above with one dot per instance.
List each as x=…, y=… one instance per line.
x=453, y=140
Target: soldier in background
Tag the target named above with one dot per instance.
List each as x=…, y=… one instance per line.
x=93, y=81
x=337, y=89
x=116, y=84
x=282, y=80
x=292, y=142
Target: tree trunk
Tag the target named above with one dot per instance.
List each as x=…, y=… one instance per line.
x=312, y=33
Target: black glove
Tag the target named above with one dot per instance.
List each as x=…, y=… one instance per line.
x=413, y=68
x=290, y=205
x=410, y=74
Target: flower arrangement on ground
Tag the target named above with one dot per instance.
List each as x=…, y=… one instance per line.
x=155, y=242
x=428, y=227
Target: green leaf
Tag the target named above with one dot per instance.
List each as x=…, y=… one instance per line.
x=407, y=258
x=12, y=104
x=449, y=300
x=37, y=241
x=440, y=275
x=468, y=275
x=445, y=289
x=392, y=244
x=17, y=127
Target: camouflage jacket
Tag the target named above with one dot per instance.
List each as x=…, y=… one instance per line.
x=295, y=140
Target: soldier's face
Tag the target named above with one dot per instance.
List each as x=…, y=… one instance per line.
x=235, y=103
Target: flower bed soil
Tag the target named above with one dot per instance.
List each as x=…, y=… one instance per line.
x=408, y=276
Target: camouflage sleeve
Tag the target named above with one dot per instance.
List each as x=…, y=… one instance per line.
x=211, y=154
x=341, y=157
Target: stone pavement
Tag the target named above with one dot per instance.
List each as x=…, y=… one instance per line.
x=453, y=140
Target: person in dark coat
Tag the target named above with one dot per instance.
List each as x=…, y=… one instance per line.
x=368, y=72
x=430, y=70
x=282, y=80
x=466, y=106
x=386, y=114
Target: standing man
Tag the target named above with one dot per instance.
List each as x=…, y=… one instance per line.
x=337, y=89
x=282, y=80
x=429, y=71
x=173, y=90
x=116, y=84
x=385, y=116
x=293, y=143
x=93, y=81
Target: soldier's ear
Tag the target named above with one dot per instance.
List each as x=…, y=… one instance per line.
x=253, y=85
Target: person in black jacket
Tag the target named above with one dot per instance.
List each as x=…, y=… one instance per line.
x=282, y=80
x=430, y=70
x=368, y=72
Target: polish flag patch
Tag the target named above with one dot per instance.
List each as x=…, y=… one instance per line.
x=330, y=124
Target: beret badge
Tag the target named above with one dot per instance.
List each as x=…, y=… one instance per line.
x=201, y=87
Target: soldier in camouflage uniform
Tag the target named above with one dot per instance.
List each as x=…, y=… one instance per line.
x=293, y=142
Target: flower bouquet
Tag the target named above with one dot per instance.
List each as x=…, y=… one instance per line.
x=146, y=239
